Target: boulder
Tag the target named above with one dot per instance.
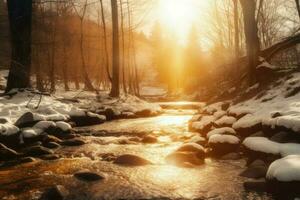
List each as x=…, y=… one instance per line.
x=184, y=159
x=144, y=113
x=50, y=157
x=18, y=161
x=149, y=139
x=283, y=177
x=73, y=142
x=195, y=148
x=247, y=131
x=51, y=145
x=57, y=132
x=255, y=172
x=57, y=192
x=199, y=140
x=28, y=119
x=11, y=141
x=110, y=113
x=37, y=151
x=231, y=156
x=257, y=186
x=88, y=176
x=7, y=153
x=223, y=144
x=51, y=138
x=88, y=120
x=131, y=160
x=3, y=120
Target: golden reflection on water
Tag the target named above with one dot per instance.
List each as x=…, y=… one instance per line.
x=172, y=120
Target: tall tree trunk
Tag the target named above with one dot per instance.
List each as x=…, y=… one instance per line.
x=115, y=91
x=20, y=14
x=251, y=35
x=298, y=7
x=65, y=68
x=236, y=29
x=87, y=82
x=105, y=42
x=123, y=48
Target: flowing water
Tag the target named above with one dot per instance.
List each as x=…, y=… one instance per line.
x=213, y=180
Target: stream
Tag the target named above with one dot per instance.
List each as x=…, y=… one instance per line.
x=216, y=179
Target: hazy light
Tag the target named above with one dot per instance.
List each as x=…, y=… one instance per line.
x=178, y=16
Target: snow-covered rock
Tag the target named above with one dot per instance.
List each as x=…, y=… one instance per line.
x=31, y=132
x=204, y=124
x=286, y=169
x=262, y=144
x=63, y=126
x=43, y=125
x=223, y=144
x=217, y=138
x=8, y=129
x=225, y=121
x=221, y=131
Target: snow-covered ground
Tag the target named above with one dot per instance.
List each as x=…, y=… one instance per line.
x=63, y=105
x=267, y=125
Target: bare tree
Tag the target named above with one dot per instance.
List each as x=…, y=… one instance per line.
x=298, y=7
x=115, y=91
x=123, y=47
x=87, y=81
x=20, y=14
x=236, y=28
x=251, y=35
x=105, y=41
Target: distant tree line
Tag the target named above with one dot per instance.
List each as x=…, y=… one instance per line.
x=65, y=42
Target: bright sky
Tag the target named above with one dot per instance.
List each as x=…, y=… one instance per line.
x=178, y=16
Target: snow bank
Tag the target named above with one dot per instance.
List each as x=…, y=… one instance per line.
x=217, y=138
x=282, y=98
x=286, y=169
x=65, y=105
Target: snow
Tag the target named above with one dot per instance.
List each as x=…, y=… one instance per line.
x=44, y=125
x=31, y=132
x=63, y=126
x=212, y=108
x=262, y=144
x=217, y=138
x=205, y=120
x=246, y=121
x=225, y=120
x=286, y=169
x=275, y=99
x=221, y=131
x=61, y=106
x=219, y=114
x=253, y=87
x=265, y=64
x=8, y=129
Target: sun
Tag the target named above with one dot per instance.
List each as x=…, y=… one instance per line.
x=177, y=16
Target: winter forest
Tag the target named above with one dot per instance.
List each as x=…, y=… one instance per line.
x=149, y=99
